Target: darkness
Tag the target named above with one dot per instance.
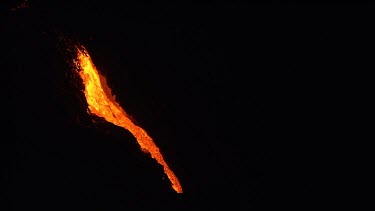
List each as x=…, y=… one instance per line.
x=236, y=96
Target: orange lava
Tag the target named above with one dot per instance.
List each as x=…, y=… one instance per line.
x=102, y=103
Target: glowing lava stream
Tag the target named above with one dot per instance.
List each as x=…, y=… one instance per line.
x=102, y=103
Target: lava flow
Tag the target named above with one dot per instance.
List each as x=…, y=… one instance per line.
x=102, y=103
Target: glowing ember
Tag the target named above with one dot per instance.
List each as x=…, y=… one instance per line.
x=102, y=103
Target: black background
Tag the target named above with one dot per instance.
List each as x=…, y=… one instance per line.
x=237, y=97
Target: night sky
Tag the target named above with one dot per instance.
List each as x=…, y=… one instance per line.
x=234, y=95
